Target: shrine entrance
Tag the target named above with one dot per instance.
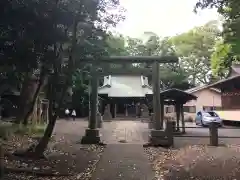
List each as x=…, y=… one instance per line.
x=97, y=70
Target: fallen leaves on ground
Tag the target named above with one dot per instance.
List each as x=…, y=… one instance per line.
x=195, y=162
x=64, y=157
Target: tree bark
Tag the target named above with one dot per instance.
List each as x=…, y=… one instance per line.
x=26, y=100
x=34, y=98
x=43, y=143
x=1, y=162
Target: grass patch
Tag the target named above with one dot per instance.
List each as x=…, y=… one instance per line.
x=8, y=129
x=5, y=130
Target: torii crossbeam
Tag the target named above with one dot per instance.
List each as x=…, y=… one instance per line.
x=92, y=134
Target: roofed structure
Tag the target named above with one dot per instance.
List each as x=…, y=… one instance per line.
x=230, y=95
x=233, y=78
x=125, y=86
x=225, y=82
x=177, y=95
x=235, y=70
x=199, y=88
x=129, y=86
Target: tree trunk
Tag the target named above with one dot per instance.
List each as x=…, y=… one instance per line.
x=33, y=100
x=26, y=100
x=43, y=143
x=1, y=162
x=38, y=150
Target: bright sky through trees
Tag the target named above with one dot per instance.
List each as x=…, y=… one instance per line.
x=163, y=17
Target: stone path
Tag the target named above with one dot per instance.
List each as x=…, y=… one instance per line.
x=124, y=161
x=133, y=132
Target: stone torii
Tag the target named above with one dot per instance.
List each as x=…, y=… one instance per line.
x=92, y=133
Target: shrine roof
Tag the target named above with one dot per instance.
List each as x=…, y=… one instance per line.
x=125, y=86
x=136, y=86
x=177, y=95
x=223, y=82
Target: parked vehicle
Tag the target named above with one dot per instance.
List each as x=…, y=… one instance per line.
x=204, y=118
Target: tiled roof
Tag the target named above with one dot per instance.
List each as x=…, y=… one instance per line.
x=125, y=86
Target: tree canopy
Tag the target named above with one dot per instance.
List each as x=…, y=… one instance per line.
x=228, y=49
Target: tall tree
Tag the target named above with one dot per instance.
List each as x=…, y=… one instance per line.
x=84, y=35
x=221, y=60
x=195, y=48
x=227, y=50
x=153, y=45
x=27, y=33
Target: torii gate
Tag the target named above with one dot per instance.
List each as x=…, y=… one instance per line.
x=92, y=133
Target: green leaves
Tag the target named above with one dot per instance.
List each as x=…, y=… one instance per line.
x=195, y=48
x=220, y=60
x=228, y=49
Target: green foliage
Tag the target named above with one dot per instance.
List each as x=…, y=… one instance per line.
x=31, y=130
x=9, y=129
x=195, y=48
x=220, y=60
x=228, y=50
x=170, y=75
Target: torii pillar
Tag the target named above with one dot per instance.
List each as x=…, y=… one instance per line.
x=157, y=134
x=92, y=133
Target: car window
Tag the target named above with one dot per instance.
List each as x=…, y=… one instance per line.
x=199, y=114
x=211, y=114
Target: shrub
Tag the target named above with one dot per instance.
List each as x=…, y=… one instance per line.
x=8, y=129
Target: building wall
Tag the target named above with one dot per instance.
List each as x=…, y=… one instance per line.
x=229, y=115
x=206, y=97
x=230, y=102
x=231, y=97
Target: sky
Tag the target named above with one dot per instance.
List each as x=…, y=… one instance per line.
x=163, y=17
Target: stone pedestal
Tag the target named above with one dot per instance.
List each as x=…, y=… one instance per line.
x=126, y=110
x=150, y=125
x=158, y=138
x=150, y=122
x=161, y=137
x=91, y=137
x=107, y=116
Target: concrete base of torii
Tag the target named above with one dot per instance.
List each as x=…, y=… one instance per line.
x=158, y=138
x=91, y=137
x=162, y=137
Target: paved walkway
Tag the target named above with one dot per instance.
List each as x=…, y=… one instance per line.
x=133, y=132
x=123, y=162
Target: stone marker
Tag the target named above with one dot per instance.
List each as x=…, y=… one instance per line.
x=107, y=116
x=99, y=120
x=213, y=131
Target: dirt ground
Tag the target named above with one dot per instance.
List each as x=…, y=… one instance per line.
x=66, y=157
x=199, y=162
